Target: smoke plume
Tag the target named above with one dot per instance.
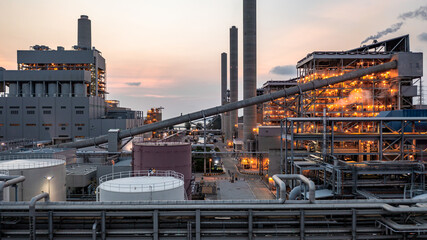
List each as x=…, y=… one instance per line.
x=395, y=27
x=133, y=83
x=423, y=37
x=284, y=70
x=419, y=13
x=356, y=96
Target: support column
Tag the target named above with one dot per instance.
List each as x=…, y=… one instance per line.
x=234, y=78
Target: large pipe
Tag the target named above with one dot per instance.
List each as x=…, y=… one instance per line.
x=32, y=213
x=11, y=182
x=249, y=70
x=234, y=77
x=233, y=106
x=311, y=187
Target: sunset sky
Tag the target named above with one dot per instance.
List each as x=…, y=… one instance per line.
x=167, y=52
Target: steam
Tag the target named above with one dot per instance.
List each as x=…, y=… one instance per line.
x=394, y=28
x=419, y=13
x=356, y=96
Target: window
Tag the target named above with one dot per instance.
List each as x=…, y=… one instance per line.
x=1, y=124
x=47, y=124
x=14, y=112
x=63, y=107
x=63, y=124
x=79, y=128
x=47, y=112
x=79, y=124
x=79, y=112
x=14, y=124
x=14, y=107
x=30, y=124
x=46, y=128
x=1, y=112
x=79, y=107
x=31, y=107
x=47, y=107
x=63, y=128
x=31, y=112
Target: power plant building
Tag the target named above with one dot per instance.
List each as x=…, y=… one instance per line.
x=58, y=94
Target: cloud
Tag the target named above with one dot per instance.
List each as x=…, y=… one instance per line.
x=419, y=13
x=133, y=83
x=284, y=70
x=423, y=37
x=394, y=28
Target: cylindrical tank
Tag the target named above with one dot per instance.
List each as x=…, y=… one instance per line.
x=13, y=89
x=79, y=89
x=65, y=89
x=25, y=89
x=174, y=156
x=51, y=89
x=39, y=89
x=84, y=33
x=42, y=175
x=141, y=185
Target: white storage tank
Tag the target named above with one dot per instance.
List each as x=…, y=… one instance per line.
x=141, y=185
x=43, y=173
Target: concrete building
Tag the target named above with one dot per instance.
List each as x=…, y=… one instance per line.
x=59, y=94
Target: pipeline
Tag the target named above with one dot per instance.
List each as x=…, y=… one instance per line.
x=233, y=106
x=282, y=186
x=13, y=181
x=32, y=213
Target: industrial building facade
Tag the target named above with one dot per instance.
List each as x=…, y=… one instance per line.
x=59, y=94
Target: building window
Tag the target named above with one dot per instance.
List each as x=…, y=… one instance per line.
x=1, y=124
x=47, y=112
x=79, y=107
x=46, y=128
x=14, y=107
x=47, y=107
x=63, y=107
x=15, y=112
x=63, y=128
x=14, y=124
x=63, y=124
x=31, y=112
x=32, y=107
x=79, y=124
x=30, y=124
x=47, y=124
x=79, y=112
x=79, y=128
x=1, y=112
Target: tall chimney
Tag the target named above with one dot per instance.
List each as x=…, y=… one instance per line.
x=234, y=84
x=224, y=117
x=84, y=38
x=249, y=70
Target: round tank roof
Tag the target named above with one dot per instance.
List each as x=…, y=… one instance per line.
x=29, y=163
x=142, y=184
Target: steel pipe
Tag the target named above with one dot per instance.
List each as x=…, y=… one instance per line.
x=32, y=213
x=311, y=187
x=13, y=181
x=233, y=106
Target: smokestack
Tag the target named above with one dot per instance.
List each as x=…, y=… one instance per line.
x=84, y=38
x=249, y=70
x=234, y=84
x=225, y=120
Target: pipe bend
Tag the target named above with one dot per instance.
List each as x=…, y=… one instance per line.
x=37, y=198
x=311, y=187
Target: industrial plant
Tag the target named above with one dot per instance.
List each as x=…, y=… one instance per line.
x=336, y=152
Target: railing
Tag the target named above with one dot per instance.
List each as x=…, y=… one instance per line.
x=53, y=160
x=104, y=181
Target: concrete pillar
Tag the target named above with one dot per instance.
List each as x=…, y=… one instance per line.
x=234, y=77
x=249, y=69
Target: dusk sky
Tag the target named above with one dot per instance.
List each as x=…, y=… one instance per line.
x=167, y=52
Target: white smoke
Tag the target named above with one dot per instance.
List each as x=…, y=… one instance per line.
x=356, y=96
x=395, y=27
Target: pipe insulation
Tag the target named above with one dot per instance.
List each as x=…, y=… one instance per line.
x=233, y=106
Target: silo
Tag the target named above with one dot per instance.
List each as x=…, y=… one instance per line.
x=84, y=39
x=65, y=89
x=42, y=173
x=39, y=89
x=141, y=185
x=51, y=89
x=79, y=89
x=175, y=156
x=26, y=89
